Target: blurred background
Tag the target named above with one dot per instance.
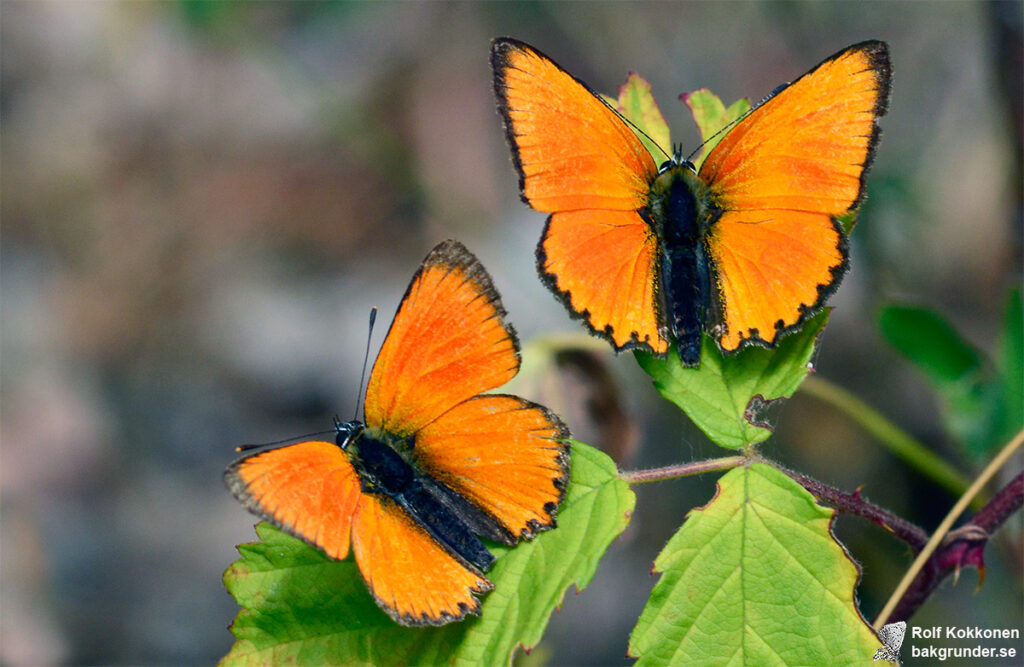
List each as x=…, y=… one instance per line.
x=201, y=202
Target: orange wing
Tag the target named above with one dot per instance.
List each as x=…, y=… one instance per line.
x=411, y=577
x=572, y=151
x=781, y=177
x=448, y=342
x=604, y=266
x=309, y=489
x=505, y=455
x=578, y=160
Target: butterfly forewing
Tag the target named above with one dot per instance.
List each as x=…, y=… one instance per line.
x=571, y=149
x=309, y=489
x=448, y=342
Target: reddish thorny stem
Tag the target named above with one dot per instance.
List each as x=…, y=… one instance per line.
x=963, y=546
x=853, y=503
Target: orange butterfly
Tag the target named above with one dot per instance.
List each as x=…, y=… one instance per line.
x=747, y=249
x=435, y=464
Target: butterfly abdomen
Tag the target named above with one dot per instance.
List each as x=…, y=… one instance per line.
x=675, y=213
x=450, y=519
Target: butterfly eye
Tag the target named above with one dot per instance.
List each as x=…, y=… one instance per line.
x=346, y=432
x=677, y=160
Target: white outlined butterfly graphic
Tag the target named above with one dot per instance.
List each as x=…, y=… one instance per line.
x=892, y=639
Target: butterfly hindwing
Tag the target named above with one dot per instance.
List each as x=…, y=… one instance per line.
x=605, y=267
x=780, y=178
x=505, y=455
x=412, y=578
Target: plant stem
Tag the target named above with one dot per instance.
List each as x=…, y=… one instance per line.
x=944, y=527
x=853, y=503
x=681, y=470
x=963, y=546
x=1003, y=504
x=898, y=441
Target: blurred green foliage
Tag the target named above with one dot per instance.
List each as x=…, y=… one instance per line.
x=982, y=398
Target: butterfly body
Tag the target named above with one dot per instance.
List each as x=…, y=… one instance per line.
x=386, y=466
x=744, y=250
x=679, y=215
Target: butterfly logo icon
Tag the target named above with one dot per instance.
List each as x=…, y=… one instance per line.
x=892, y=639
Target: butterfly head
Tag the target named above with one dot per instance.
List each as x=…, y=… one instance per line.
x=677, y=160
x=346, y=431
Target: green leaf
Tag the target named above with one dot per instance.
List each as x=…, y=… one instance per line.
x=954, y=367
x=727, y=395
x=712, y=116
x=848, y=220
x=930, y=343
x=298, y=605
x=1006, y=393
x=756, y=577
x=982, y=402
x=636, y=103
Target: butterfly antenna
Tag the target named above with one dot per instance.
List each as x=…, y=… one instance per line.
x=366, y=358
x=635, y=128
x=778, y=89
x=689, y=158
x=260, y=445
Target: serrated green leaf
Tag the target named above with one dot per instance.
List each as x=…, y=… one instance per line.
x=636, y=103
x=300, y=606
x=757, y=578
x=727, y=395
x=712, y=116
